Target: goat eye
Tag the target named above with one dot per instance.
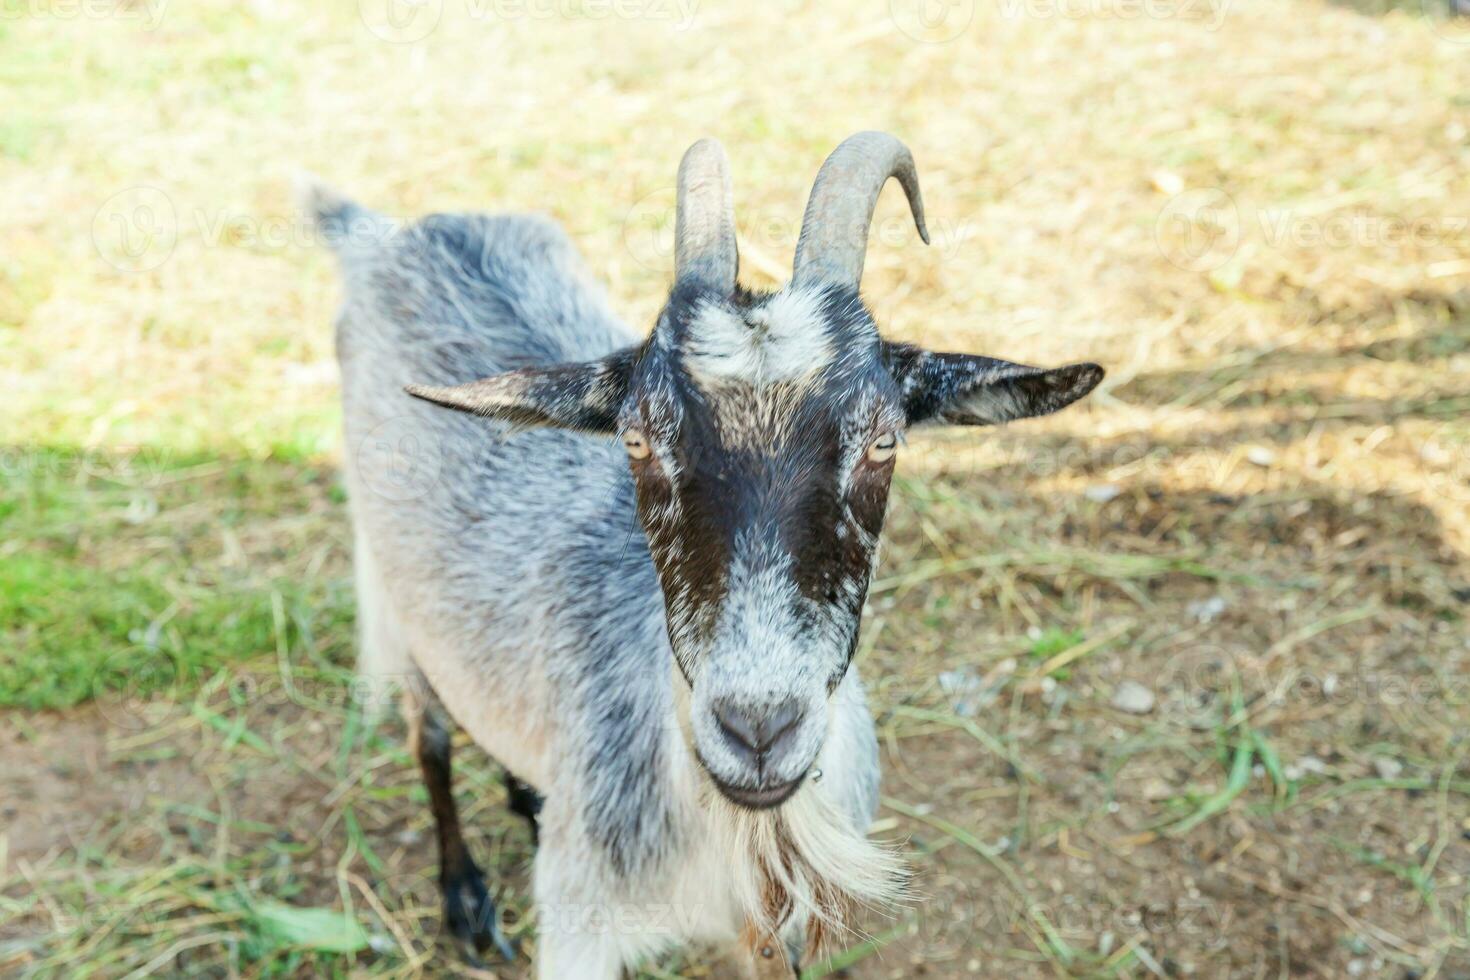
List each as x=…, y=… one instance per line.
x=881, y=449
x=636, y=444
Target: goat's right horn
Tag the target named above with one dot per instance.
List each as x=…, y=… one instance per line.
x=834, y=230
x=704, y=219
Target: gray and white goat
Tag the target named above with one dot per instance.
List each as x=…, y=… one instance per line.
x=636, y=573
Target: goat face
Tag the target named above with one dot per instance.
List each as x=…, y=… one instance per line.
x=761, y=432
x=762, y=437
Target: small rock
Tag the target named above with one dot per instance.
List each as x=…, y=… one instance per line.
x=1134, y=698
x=1166, y=182
x=1307, y=763
x=1101, y=493
x=963, y=688
x=1260, y=455
x=1207, y=610
x=968, y=692
x=1155, y=789
x=1388, y=768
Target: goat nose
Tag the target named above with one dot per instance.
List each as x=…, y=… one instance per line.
x=757, y=735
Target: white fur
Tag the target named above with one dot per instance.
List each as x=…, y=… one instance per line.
x=782, y=340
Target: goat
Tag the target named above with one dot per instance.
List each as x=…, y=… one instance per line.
x=633, y=569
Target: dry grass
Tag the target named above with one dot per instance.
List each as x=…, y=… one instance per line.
x=1255, y=214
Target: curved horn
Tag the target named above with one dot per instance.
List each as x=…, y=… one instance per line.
x=704, y=219
x=834, y=230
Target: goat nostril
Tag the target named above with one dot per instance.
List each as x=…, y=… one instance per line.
x=755, y=733
x=738, y=728
x=780, y=723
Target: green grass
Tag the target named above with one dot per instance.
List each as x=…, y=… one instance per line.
x=171, y=521
x=106, y=578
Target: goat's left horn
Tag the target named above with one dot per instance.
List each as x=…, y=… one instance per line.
x=704, y=219
x=834, y=230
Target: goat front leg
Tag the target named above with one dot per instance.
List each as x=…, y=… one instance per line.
x=576, y=929
x=469, y=912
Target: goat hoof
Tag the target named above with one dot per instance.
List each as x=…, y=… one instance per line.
x=471, y=916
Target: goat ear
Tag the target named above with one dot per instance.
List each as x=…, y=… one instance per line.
x=967, y=389
x=585, y=396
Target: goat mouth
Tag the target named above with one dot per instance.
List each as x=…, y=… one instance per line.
x=762, y=798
